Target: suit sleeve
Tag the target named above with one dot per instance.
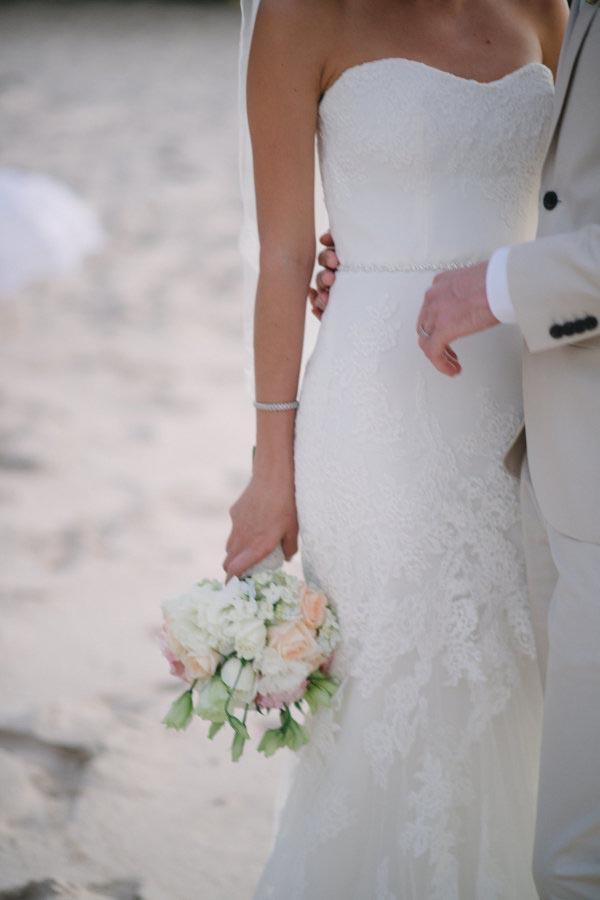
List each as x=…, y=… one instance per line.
x=554, y=285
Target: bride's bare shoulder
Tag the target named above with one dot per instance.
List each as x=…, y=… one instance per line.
x=296, y=36
x=306, y=15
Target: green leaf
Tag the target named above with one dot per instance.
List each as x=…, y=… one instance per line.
x=180, y=712
x=212, y=700
x=271, y=741
x=329, y=685
x=238, y=726
x=237, y=747
x=214, y=729
x=317, y=698
x=323, y=681
x=296, y=735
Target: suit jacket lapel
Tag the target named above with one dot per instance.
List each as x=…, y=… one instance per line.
x=581, y=19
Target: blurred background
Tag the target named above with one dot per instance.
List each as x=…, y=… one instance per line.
x=125, y=435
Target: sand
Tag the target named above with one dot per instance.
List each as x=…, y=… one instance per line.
x=126, y=434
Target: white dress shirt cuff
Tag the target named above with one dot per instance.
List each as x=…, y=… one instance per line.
x=496, y=285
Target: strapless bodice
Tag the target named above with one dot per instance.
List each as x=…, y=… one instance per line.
x=421, y=167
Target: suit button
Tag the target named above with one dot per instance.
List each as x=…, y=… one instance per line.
x=579, y=326
x=569, y=328
x=591, y=322
x=556, y=331
x=550, y=200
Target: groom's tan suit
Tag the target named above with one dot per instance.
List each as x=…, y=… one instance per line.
x=554, y=286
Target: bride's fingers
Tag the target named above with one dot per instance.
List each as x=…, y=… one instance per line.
x=328, y=258
x=289, y=545
x=231, y=561
x=235, y=543
x=327, y=239
x=238, y=564
x=246, y=557
x=325, y=279
x=441, y=355
x=322, y=299
x=448, y=362
x=316, y=303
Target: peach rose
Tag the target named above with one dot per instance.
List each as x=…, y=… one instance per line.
x=201, y=666
x=313, y=605
x=293, y=640
x=185, y=664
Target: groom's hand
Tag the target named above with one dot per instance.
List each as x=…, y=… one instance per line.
x=456, y=305
x=328, y=259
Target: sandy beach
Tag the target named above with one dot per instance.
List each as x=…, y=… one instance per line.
x=126, y=434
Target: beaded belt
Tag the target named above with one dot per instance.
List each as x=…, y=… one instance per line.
x=415, y=267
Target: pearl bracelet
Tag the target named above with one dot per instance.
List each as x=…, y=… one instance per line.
x=292, y=404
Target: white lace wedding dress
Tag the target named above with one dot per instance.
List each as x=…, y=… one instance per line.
x=420, y=783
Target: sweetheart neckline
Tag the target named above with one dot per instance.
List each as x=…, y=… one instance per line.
x=435, y=70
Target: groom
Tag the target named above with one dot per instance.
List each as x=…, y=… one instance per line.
x=550, y=288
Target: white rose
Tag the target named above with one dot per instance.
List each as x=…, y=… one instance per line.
x=180, y=614
x=235, y=671
x=175, y=607
x=250, y=638
x=271, y=662
x=234, y=588
x=277, y=675
x=286, y=681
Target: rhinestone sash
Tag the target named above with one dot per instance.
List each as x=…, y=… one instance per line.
x=415, y=267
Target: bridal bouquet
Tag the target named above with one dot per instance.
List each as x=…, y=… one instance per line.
x=263, y=641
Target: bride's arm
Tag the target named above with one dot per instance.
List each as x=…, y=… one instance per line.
x=284, y=77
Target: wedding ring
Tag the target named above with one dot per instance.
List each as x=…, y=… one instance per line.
x=423, y=332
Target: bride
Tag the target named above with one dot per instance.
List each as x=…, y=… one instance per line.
x=432, y=119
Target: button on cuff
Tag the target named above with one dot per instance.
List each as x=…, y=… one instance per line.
x=550, y=200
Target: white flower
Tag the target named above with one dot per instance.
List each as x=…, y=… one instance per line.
x=250, y=638
x=271, y=593
x=180, y=614
x=329, y=633
x=286, y=610
x=249, y=589
x=234, y=672
x=221, y=614
x=233, y=589
x=277, y=675
x=263, y=577
x=264, y=610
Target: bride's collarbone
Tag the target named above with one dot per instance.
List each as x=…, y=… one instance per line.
x=504, y=42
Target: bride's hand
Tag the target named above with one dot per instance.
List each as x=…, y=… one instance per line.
x=328, y=259
x=262, y=517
